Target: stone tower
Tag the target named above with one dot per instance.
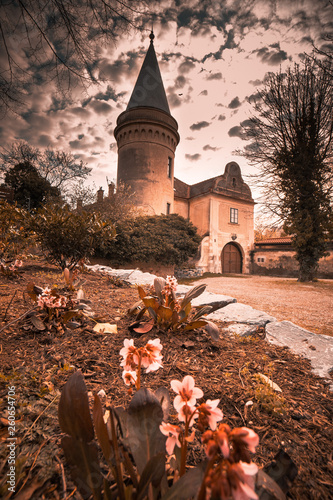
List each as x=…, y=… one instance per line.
x=147, y=136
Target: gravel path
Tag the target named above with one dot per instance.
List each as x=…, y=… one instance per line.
x=309, y=305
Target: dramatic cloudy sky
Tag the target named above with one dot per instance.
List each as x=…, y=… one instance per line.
x=213, y=57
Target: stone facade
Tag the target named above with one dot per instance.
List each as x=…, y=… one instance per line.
x=222, y=210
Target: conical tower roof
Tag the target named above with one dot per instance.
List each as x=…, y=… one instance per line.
x=149, y=89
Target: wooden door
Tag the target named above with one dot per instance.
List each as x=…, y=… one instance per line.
x=231, y=259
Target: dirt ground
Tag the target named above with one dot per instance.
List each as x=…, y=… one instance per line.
x=39, y=362
x=309, y=305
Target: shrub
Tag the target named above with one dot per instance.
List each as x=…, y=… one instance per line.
x=67, y=237
x=14, y=235
x=165, y=239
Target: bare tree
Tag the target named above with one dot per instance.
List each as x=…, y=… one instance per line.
x=58, y=168
x=58, y=40
x=291, y=137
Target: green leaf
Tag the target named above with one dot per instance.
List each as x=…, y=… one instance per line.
x=142, y=293
x=188, y=485
x=195, y=324
x=201, y=311
x=192, y=294
x=144, y=327
x=267, y=488
x=143, y=435
x=152, y=473
x=150, y=302
x=159, y=284
x=213, y=330
x=73, y=410
x=101, y=429
x=163, y=396
x=82, y=458
x=164, y=313
x=37, y=322
x=68, y=315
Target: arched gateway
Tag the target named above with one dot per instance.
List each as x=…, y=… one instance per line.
x=231, y=259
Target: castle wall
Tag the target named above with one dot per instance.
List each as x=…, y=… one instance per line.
x=222, y=232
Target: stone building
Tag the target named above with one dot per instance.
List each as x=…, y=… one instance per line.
x=221, y=207
x=276, y=257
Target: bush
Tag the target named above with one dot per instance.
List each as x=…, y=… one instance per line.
x=14, y=236
x=67, y=237
x=164, y=239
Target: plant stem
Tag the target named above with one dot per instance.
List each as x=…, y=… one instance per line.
x=137, y=384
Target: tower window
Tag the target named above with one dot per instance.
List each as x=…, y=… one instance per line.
x=169, y=167
x=234, y=215
x=168, y=208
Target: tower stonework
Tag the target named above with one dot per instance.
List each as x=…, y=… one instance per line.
x=147, y=137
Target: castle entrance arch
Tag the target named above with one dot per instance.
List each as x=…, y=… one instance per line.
x=231, y=259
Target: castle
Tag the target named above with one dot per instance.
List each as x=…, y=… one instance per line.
x=220, y=207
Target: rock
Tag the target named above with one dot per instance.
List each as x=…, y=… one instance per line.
x=317, y=348
x=133, y=276
x=212, y=299
x=241, y=329
x=241, y=313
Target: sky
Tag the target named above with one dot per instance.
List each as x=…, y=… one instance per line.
x=213, y=57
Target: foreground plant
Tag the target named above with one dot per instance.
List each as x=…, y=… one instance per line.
x=134, y=441
x=168, y=312
x=11, y=270
x=134, y=359
x=55, y=309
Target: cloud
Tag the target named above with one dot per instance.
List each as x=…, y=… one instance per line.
x=82, y=112
x=256, y=82
x=221, y=118
x=189, y=138
x=235, y=131
x=210, y=148
x=271, y=57
x=127, y=63
x=180, y=82
x=214, y=76
x=194, y=157
x=199, y=125
x=229, y=44
x=186, y=66
x=100, y=107
x=235, y=103
x=204, y=92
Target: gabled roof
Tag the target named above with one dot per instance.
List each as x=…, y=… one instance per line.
x=149, y=89
x=228, y=184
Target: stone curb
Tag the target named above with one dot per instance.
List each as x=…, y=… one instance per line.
x=315, y=347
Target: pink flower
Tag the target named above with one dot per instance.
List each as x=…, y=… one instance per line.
x=151, y=356
x=187, y=393
x=129, y=353
x=247, y=436
x=129, y=377
x=172, y=431
x=242, y=481
x=187, y=412
x=210, y=412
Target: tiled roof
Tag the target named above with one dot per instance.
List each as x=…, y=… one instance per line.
x=275, y=241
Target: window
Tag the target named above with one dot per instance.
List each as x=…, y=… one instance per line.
x=234, y=215
x=169, y=167
x=261, y=259
x=168, y=208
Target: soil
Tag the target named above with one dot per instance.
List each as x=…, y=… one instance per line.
x=39, y=362
x=309, y=305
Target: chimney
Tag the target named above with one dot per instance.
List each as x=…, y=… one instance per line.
x=100, y=195
x=111, y=189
